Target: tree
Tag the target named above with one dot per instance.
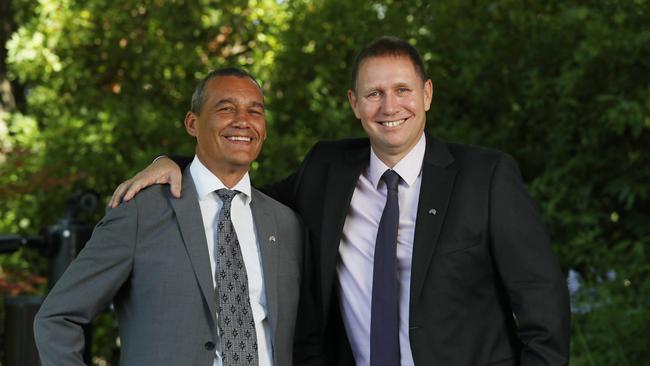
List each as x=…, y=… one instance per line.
x=107, y=85
x=562, y=86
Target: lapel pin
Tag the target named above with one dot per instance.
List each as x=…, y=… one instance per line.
x=433, y=211
x=272, y=238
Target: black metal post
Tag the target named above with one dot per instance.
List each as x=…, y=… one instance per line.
x=60, y=243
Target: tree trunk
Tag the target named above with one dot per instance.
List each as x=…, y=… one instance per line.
x=7, y=100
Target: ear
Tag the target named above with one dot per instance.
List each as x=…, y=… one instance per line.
x=190, y=122
x=428, y=94
x=352, y=98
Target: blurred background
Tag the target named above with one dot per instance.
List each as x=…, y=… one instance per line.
x=91, y=91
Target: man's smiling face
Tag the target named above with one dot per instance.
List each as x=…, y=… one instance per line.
x=230, y=128
x=391, y=100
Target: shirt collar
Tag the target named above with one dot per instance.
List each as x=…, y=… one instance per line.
x=206, y=182
x=408, y=168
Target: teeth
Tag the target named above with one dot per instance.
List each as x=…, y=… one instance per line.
x=393, y=123
x=239, y=138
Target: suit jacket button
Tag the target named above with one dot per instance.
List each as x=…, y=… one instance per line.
x=209, y=346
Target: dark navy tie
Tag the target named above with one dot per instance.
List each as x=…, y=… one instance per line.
x=384, y=323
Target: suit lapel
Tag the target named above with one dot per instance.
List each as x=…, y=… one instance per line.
x=436, y=188
x=341, y=181
x=190, y=221
x=266, y=228
x=438, y=175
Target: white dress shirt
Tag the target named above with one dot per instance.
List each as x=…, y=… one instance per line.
x=242, y=218
x=357, y=248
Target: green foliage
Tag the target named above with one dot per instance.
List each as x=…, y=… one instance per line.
x=312, y=73
x=109, y=80
x=107, y=85
x=565, y=88
x=615, y=331
x=562, y=86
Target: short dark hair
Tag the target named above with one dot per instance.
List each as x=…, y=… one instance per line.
x=388, y=46
x=199, y=92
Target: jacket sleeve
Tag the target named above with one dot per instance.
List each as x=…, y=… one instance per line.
x=181, y=161
x=86, y=288
x=285, y=190
x=529, y=269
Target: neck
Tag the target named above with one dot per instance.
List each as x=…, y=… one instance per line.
x=229, y=180
x=227, y=174
x=390, y=159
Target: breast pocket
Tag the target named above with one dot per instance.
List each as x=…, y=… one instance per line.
x=458, y=240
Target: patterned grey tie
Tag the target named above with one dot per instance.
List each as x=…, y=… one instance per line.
x=236, y=324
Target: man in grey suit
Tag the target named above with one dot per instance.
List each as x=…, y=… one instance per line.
x=188, y=290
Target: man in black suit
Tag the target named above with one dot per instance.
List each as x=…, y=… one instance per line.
x=476, y=280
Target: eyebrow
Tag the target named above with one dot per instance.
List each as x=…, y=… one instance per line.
x=391, y=86
x=235, y=102
x=256, y=104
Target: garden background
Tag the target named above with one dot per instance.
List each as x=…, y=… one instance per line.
x=91, y=91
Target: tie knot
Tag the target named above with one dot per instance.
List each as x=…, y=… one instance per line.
x=226, y=195
x=391, y=178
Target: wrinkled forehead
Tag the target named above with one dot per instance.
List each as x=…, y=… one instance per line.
x=235, y=88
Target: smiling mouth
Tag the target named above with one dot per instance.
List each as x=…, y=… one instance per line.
x=393, y=123
x=239, y=138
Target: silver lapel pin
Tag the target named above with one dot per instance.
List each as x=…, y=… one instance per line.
x=272, y=238
x=433, y=211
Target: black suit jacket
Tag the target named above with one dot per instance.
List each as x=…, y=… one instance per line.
x=480, y=257
x=486, y=289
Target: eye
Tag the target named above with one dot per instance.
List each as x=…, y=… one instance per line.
x=402, y=91
x=226, y=109
x=257, y=112
x=374, y=94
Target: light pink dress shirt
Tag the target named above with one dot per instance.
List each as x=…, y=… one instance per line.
x=356, y=251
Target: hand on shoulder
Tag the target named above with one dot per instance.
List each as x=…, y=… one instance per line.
x=163, y=170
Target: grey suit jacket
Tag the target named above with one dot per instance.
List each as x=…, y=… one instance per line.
x=150, y=258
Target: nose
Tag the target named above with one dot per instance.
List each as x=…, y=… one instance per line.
x=390, y=104
x=241, y=119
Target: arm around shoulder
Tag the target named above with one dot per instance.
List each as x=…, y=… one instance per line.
x=285, y=190
x=163, y=170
